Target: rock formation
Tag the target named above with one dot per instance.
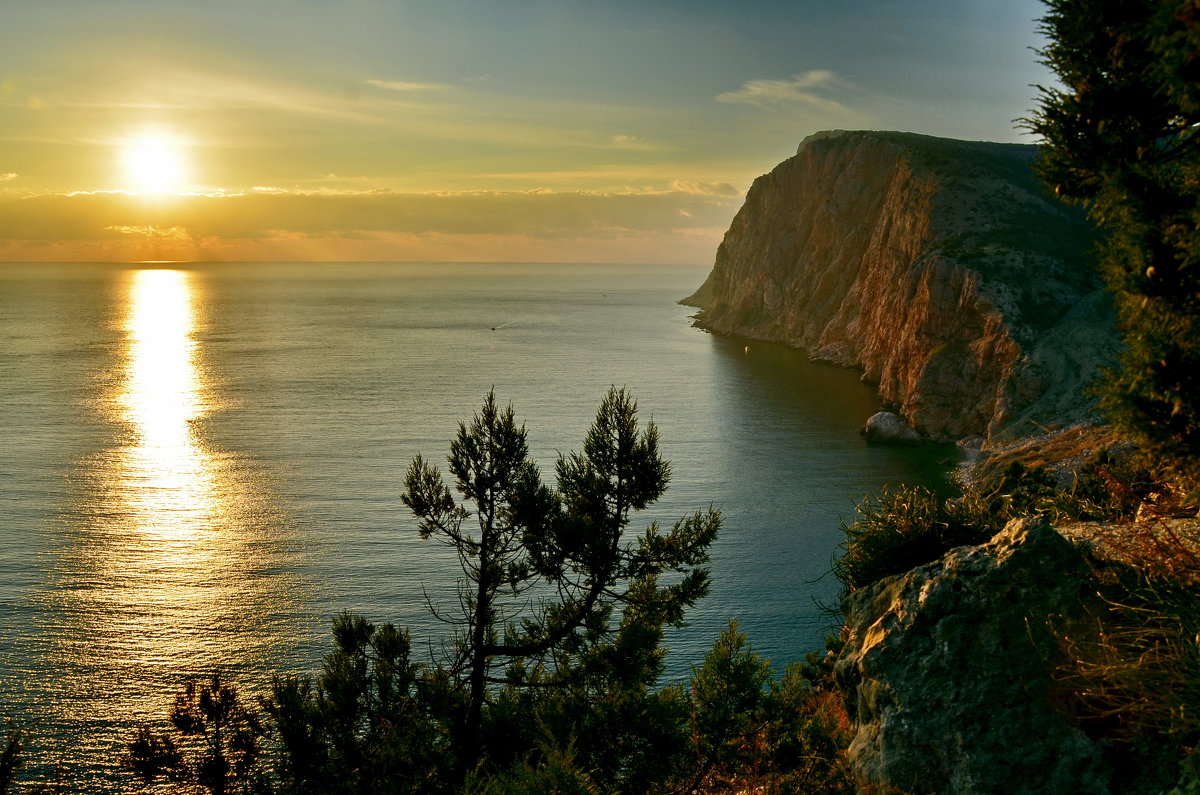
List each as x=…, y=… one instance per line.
x=888, y=427
x=948, y=672
x=936, y=266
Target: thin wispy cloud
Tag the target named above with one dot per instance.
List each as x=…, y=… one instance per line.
x=134, y=83
x=538, y=212
x=172, y=232
x=810, y=89
x=533, y=225
x=8, y=176
x=633, y=143
x=705, y=188
x=405, y=85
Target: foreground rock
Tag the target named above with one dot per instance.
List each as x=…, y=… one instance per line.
x=938, y=267
x=948, y=672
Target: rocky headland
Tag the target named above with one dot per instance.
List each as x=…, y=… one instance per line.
x=945, y=273
x=938, y=267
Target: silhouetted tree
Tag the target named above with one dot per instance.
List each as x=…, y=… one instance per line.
x=221, y=734
x=556, y=589
x=551, y=682
x=12, y=746
x=368, y=724
x=1122, y=135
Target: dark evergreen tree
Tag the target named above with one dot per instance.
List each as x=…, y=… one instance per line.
x=551, y=682
x=1122, y=134
x=12, y=746
x=368, y=724
x=752, y=732
x=557, y=594
x=219, y=742
x=492, y=470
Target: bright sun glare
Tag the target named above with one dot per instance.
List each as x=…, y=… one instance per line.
x=153, y=164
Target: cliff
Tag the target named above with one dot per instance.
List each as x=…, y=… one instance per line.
x=936, y=266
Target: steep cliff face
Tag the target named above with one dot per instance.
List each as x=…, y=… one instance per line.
x=938, y=267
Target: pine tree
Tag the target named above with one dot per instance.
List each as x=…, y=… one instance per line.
x=555, y=589
x=1122, y=135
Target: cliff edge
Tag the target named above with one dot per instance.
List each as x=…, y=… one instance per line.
x=937, y=266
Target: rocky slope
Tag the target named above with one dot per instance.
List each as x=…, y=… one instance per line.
x=936, y=266
x=957, y=674
x=948, y=672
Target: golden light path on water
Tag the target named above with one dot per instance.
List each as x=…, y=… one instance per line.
x=178, y=543
x=173, y=501
x=178, y=562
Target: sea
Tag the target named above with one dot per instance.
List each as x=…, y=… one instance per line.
x=201, y=465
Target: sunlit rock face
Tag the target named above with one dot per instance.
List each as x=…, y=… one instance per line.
x=938, y=267
x=948, y=672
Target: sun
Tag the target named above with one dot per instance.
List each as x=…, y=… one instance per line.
x=153, y=164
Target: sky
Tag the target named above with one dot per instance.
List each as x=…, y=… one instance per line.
x=460, y=130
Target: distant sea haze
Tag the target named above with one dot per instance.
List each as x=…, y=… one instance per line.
x=201, y=465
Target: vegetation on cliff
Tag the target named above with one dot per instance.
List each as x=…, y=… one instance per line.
x=1103, y=636
x=907, y=527
x=1123, y=137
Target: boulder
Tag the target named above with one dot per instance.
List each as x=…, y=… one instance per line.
x=889, y=428
x=948, y=672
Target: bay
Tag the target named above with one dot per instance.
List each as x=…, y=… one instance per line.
x=200, y=465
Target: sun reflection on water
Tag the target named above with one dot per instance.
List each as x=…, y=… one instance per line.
x=161, y=399
x=175, y=557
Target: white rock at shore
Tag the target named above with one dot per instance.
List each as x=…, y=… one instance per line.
x=891, y=428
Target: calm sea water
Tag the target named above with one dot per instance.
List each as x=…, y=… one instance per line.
x=200, y=466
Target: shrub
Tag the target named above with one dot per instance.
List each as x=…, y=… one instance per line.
x=903, y=528
x=752, y=732
x=218, y=746
x=1111, y=487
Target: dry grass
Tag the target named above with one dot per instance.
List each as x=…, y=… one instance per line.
x=1155, y=547
x=1062, y=451
x=1135, y=668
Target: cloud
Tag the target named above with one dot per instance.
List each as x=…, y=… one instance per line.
x=257, y=215
x=404, y=85
x=705, y=188
x=805, y=90
x=8, y=176
x=174, y=232
x=632, y=143
x=131, y=82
